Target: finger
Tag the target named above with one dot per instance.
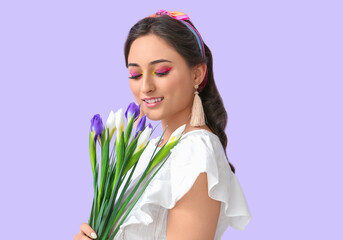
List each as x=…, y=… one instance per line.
x=88, y=231
x=76, y=237
x=84, y=237
x=81, y=236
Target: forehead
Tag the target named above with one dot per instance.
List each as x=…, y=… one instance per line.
x=149, y=48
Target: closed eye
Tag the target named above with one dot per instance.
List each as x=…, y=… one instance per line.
x=158, y=74
x=135, y=77
x=162, y=74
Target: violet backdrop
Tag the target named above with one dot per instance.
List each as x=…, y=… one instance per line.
x=277, y=64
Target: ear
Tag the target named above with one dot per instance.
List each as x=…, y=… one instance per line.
x=199, y=72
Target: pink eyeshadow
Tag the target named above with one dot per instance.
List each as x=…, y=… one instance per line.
x=163, y=69
x=134, y=73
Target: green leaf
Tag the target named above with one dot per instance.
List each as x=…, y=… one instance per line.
x=116, y=206
x=90, y=220
x=128, y=130
x=120, y=151
x=95, y=185
x=118, y=183
x=135, y=201
x=104, y=164
x=105, y=215
x=102, y=208
x=112, y=222
x=162, y=153
x=92, y=151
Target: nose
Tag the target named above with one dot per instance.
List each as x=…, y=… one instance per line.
x=148, y=84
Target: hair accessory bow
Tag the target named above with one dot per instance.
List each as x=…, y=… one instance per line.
x=174, y=14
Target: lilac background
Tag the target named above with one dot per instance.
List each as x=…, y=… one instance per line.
x=278, y=65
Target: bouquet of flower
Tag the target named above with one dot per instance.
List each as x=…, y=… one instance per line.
x=109, y=208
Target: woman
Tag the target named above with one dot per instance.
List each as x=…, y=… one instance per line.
x=196, y=194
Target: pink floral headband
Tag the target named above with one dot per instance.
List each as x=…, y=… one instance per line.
x=182, y=17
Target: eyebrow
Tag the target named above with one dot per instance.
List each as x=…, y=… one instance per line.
x=151, y=63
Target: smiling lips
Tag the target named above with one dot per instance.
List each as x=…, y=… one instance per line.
x=153, y=100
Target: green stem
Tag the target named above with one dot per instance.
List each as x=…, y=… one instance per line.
x=135, y=201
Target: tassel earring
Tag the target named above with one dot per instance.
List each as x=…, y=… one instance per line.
x=198, y=116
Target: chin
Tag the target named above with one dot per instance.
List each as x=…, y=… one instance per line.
x=152, y=116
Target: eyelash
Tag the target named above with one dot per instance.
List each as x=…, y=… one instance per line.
x=158, y=74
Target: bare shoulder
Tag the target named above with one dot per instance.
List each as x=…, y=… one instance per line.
x=195, y=215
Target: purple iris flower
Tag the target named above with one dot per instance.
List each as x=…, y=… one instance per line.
x=150, y=126
x=132, y=110
x=97, y=126
x=141, y=125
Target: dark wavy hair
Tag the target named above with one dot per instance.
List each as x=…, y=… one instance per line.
x=178, y=35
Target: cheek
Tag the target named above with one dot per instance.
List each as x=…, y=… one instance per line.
x=183, y=85
x=182, y=92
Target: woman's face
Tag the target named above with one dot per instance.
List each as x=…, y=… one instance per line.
x=156, y=70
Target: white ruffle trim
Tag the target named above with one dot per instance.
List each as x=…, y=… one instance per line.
x=198, y=151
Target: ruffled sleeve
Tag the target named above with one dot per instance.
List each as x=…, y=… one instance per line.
x=202, y=151
x=198, y=151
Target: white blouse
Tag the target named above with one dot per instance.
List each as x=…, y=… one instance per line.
x=197, y=151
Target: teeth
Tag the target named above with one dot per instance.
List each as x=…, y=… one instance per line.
x=154, y=100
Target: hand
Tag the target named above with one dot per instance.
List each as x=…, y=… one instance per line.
x=86, y=232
